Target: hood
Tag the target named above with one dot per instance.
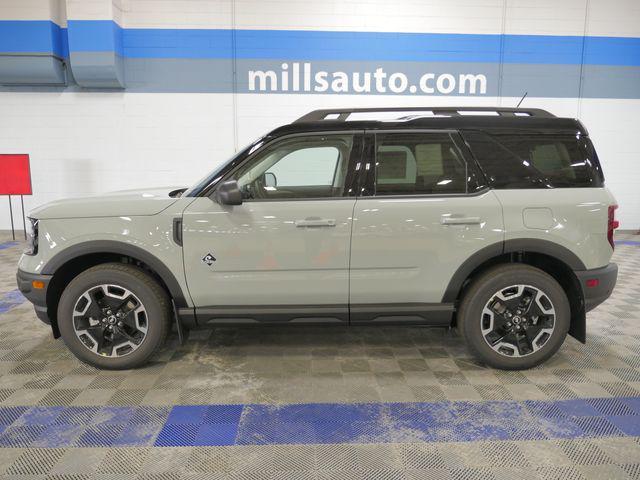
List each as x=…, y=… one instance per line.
x=115, y=204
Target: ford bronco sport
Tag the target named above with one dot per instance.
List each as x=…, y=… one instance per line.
x=492, y=220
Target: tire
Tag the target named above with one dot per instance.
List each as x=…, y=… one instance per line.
x=508, y=280
x=147, y=322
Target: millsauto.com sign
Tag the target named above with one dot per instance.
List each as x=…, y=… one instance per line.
x=307, y=78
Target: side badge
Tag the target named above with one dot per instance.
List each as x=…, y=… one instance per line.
x=209, y=259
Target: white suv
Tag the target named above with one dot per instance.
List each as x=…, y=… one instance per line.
x=493, y=220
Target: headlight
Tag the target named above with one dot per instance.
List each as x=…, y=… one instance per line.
x=32, y=237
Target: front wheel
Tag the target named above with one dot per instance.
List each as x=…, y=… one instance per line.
x=514, y=317
x=114, y=316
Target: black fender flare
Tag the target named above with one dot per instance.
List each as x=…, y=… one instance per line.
x=530, y=245
x=545, y=247
x=119, y=248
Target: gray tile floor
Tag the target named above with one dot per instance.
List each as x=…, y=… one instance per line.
x=320, y=364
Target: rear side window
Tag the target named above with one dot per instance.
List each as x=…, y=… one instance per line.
x=536, y=161
x=418, y=163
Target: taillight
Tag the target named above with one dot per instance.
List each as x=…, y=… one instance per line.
x=612, y=224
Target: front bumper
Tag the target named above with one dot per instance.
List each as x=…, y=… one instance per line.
x=37, y=296
x=597, y=284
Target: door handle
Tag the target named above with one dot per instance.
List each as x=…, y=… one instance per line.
x=316, y=222
x=459, y=220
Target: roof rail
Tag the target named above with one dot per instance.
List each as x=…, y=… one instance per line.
x=342, y=114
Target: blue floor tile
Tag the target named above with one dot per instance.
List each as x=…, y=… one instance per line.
x=5, y=245
x=595, y=427
x=77, y=415
x=473, y=431
x=8, y=415
x=146, y=414
x=418, y=415
x=610, y=406
x=578, y=408
x=187, y=414
x=10, y=300
x=137, y=435
x=59, y=436
x=269, y=432
x=633, y=243
x=633, y=403
x=629, y=424
x=352, y=432
x=560, y=427
x=103, y=435
x=113, y=415
x=222, y=414
x=21, y=436
x=177, y=435
x=40, y=416
x=191, y=425
x=538, y=408
x=526, y=431
x=213, y=434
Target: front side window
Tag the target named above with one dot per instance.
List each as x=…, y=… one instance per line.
x=418, y=163
x=312, y=166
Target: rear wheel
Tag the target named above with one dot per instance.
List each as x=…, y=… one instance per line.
x=114, y=316
x=514, y=317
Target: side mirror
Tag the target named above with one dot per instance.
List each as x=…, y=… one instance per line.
x=270, y=180
x=229, y=193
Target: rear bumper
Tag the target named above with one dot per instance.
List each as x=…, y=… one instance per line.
x=37, y=296
x=602, y=280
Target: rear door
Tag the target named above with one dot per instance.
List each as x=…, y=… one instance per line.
x=424, y=210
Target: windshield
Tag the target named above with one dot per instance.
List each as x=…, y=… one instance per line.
x=212, y=177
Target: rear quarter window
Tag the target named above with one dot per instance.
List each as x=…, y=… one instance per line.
x=536, y=160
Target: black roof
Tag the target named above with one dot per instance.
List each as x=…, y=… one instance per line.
x=494, y=119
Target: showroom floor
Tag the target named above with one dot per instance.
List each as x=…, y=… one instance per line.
x=320, y=402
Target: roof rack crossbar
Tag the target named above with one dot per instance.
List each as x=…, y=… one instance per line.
x=342, y=114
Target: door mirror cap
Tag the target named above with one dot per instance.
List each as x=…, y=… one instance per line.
x=228, y=193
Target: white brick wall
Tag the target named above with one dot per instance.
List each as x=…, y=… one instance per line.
x=545, y=17
x=619, y=18
x=434, y=16
x=177, y=14
x=95, y=10
x=33, y=10
x=616, y=18
x=83, y=143
x=535, y=17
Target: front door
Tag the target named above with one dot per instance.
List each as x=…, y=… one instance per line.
x=283, y=255
x=423, y=212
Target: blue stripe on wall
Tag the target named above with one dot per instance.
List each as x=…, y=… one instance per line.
x=89, y=35
x=219, y=425
x=612, y=51
x=33, y=36
x=169, y=43
x=95, y=36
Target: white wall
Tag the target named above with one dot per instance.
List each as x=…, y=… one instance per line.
x=86, y=142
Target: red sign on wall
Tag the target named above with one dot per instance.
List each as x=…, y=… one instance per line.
x=15, y=174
